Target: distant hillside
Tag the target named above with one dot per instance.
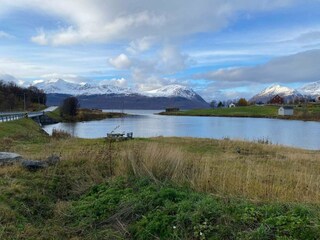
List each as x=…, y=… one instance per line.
x=289, y=94
x=108, y=96
x=133, y=101
x=311, y=89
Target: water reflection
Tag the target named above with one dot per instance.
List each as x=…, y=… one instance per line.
x=145, y=124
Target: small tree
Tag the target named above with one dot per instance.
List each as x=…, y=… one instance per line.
x=70, y=107
x=220, y=104
x=242, y=102
x=213, y=104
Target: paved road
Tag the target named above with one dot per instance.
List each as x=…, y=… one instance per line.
x=10, y=116
x=50, y=109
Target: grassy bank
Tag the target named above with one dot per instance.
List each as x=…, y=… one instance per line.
x=84, y=115
x=167, y=188
x=249, y=111
x=311, y=112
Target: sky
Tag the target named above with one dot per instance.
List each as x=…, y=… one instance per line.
x=223, y=49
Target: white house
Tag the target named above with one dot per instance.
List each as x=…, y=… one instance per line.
x=231, y=105
x=285, y=111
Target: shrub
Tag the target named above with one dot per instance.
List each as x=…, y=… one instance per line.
x=60, y=134
x=242, y=102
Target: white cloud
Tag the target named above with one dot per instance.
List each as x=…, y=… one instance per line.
x=119, y=82
x=68, y=77
x=27, y=69
x=8, y=78
x=300, y=67
x=141, y=45
x=5, y=35
x=147, y=71
x=40, y=39
x=145, y=79
x=171, y=60
x=120, y=62
x=37, y=81
x=108, y=20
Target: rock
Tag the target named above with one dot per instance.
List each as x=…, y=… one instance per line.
x=53, y=160
x=7, y=158
x=33, y=165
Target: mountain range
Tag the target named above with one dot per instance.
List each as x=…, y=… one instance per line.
x=109, y=96
x=102, y=95
x=308, y=91
x=288, y=94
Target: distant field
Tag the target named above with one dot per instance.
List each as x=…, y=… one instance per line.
x=309, y=112
x=250, y=111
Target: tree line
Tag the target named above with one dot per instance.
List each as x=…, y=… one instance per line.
x=241, y=103
x=13, y=97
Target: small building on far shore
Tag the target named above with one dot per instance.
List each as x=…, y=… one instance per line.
x=232, y=105
x=285, y=111
x=276, y=100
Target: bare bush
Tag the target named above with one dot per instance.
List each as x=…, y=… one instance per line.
x=60, y=134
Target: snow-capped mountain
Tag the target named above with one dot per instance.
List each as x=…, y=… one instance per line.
x=63, y=87
x=172, y=91
x=56, y=85
x=108, y=96
x=311, y=89
x=267, y=94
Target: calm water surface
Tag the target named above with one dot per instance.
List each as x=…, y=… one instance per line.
x=145, y=123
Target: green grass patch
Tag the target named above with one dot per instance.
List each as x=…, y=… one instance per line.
x=309, y=112
x=55, y=115
x=249, y=111
x=84, y=115
x=38, y=207
x=23, y=131
x=151, y=211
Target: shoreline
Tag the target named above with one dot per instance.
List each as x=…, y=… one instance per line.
x=238, y=116
x=309, y=112
x=85, y=115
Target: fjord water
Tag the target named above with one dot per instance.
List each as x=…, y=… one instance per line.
x=144, y=123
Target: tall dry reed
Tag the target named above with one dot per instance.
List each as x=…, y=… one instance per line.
x=243, y=170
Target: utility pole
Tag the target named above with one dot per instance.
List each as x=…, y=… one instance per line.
x=24, y=101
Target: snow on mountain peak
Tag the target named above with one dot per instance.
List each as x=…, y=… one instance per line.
x=63, y=87
x=172, y=91
x=312, y=89
x=276, y=89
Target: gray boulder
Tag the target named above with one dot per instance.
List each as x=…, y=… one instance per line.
x=8, y=158
x=33, y=165
x=53, y=160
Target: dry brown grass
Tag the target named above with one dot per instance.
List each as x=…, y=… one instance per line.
x=255, y=171
x=60, y=134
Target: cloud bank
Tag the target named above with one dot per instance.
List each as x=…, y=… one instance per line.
x=300, y=67
x=109, y=20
